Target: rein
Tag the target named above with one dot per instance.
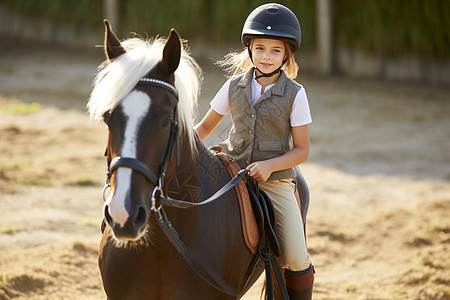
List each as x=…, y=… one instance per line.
x=158, y=200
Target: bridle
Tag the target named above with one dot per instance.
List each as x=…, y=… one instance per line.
x=158, y=200
x=172, y=148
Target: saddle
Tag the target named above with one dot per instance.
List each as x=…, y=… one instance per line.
x=250, y=228
x=256, y=209
x=258, y=222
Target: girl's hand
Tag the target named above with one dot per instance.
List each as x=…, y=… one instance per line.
x=260, y=170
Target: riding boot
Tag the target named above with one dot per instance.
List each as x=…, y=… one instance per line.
x=300, y=284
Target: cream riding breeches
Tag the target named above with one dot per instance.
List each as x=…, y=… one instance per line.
x=289, y=224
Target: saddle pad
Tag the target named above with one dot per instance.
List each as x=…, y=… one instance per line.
x=250, y=229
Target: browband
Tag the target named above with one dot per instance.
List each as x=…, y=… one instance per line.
x=159, y=83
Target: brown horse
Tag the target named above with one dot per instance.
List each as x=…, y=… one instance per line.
x=145, y=93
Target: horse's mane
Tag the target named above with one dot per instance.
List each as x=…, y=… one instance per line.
x=118, y=77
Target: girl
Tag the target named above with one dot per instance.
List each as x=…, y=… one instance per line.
x=268, y=108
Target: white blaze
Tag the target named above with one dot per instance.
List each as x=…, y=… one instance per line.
x=135, y=107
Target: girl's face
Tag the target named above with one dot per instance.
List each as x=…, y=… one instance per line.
x=268, y=54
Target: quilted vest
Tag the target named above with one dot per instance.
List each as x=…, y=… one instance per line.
x=262, y=131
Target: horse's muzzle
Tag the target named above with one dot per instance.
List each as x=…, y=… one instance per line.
x=134, y=227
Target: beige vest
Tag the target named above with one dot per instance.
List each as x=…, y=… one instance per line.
x=263, y=131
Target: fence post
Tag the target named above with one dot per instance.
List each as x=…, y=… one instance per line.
x=111, y=12
x=324, y=17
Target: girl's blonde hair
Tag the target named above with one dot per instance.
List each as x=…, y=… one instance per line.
x=237, y=63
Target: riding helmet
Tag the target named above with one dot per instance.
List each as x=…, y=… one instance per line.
x=274, y=21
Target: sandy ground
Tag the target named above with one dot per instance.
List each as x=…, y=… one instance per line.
x=379, y=177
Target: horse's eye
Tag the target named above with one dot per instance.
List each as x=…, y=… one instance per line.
x=165, y=123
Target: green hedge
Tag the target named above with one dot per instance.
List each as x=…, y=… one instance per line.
x=395, y=27
x=391, y=27
x=77, y=12
x=220, y=21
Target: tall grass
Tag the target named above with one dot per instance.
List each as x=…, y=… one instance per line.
x=390, y=27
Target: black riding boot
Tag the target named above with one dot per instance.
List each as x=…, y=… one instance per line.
x=300, y=294
x=300, y=284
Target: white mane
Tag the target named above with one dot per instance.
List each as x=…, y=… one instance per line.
x=118, y=78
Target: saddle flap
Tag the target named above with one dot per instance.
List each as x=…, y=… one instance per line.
x=250, y=229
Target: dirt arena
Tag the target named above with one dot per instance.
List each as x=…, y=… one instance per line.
x=379, y=177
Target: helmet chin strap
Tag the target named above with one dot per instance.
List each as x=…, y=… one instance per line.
x=266, y=74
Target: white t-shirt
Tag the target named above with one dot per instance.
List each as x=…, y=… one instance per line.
x=300, y=114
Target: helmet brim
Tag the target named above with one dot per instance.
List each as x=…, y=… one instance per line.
x=270, y=34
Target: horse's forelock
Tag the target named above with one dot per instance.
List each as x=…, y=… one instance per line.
x=118, y=78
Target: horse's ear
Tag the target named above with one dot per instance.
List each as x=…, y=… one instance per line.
x=113, y=47
x=172, y=52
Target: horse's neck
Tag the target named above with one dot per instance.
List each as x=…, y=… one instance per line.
x=212, y=173
x=198, y=174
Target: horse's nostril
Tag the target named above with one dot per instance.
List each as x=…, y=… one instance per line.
x=141, y=217
x=108, y=216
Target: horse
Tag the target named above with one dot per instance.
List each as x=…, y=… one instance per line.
x=146, y=92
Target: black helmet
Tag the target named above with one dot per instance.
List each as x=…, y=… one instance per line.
x=274, y=21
